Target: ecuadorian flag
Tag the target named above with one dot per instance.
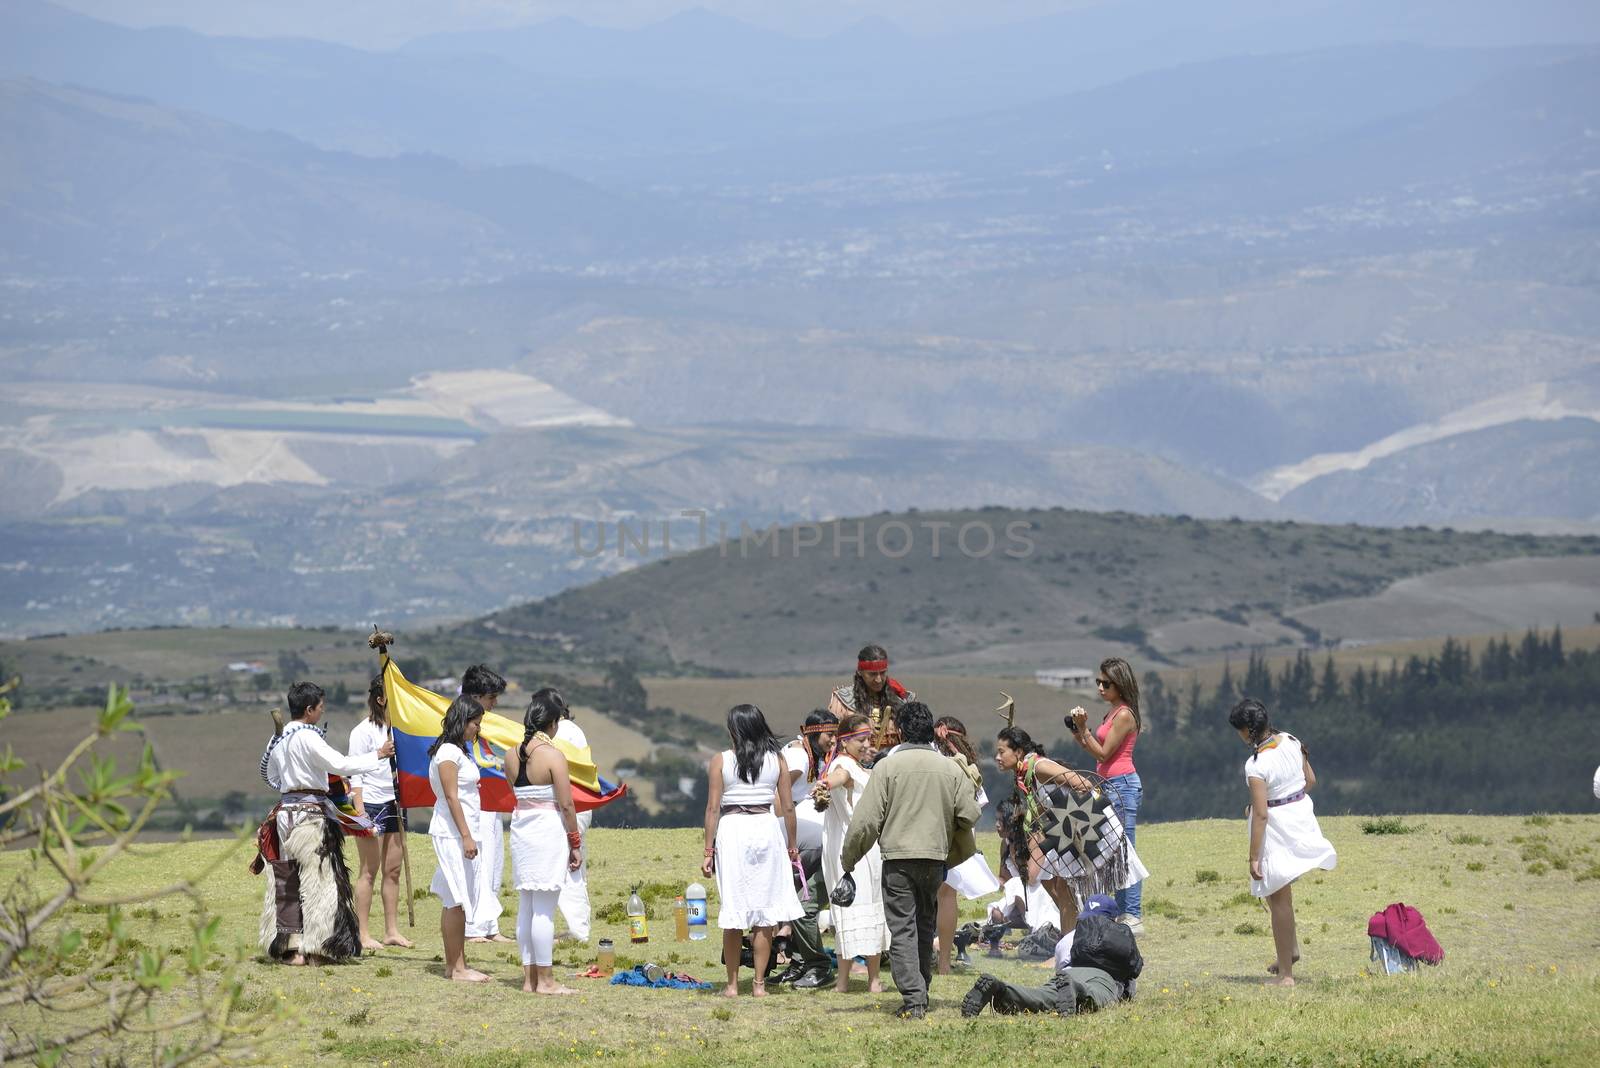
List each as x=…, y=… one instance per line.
x=415, y=718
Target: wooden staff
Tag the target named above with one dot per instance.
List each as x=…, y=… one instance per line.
x=381, y=641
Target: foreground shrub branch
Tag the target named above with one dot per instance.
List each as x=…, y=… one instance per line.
x=96, y=992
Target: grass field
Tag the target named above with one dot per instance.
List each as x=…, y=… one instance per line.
x=1520, y=983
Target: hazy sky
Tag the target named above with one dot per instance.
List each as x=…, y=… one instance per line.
x=386, y=22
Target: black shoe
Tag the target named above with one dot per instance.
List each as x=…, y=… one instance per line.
x=790, y=974
x=813, y=978
x=910, y=1012
x=980, y=996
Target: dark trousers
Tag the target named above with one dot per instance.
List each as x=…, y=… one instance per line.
x=805, y=940
x=1068, y=992
x=911, y=908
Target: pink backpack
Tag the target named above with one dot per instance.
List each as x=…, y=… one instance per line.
x=1399, y=931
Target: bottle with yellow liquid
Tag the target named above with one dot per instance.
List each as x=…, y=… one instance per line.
x=638, y=921
x=680, y=917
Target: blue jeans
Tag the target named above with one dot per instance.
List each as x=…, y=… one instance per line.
x=1127, y=793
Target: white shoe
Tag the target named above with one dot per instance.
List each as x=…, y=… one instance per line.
x=1135, y=924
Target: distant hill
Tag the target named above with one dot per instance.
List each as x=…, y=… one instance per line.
x=1522, y=468
x=1079, y=580
x=398, y=532
x=103, y=184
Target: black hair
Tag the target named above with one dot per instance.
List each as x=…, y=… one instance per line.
x=377, y=712
x=858, y=689
x=1251, y=717
x=752, y=740
x=546, y=708
x=479, y=680
x=915, y=723
x=462, y=710
x=302, y=698
x=955, y=739
x=1008, y=825
x=1020, y=740
x=815, y=755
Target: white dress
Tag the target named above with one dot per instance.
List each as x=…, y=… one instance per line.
x=457, y=879
x=755, y=881
x=538, y=840
x=807, y=820
x=972, y=878
x=860, y=929
x=1293, y=844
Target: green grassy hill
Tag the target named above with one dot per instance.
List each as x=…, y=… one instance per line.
x=1033, y=587
x=1519, y=985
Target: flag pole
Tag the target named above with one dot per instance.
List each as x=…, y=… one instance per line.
x=381, y=641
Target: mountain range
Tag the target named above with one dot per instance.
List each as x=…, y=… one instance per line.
x=1257, y=261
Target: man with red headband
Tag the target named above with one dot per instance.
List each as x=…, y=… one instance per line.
x=872, y=692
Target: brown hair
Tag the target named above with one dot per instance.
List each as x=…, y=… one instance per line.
x=377, y=713
x=1120, y=674
x=954, y=739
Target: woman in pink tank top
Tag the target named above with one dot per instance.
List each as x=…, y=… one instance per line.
x=1111, y=744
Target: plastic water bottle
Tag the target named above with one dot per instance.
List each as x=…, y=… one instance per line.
x=695, y=905
x=680, y=918
x=638, y=922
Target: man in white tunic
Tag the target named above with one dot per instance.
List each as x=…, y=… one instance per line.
x=309, y=912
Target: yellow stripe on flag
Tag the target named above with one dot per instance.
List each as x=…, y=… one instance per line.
x=420, y=712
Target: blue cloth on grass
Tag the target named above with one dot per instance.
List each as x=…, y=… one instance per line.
x=670, y=980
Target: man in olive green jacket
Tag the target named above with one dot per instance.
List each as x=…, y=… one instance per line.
x=920, y=810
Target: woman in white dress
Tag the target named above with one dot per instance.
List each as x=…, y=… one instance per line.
x=1285, y=840
x=545, y=839
x=453, y=775
x=859, y=930
x=750, y=844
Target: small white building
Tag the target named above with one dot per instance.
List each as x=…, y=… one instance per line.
x=1065, y=678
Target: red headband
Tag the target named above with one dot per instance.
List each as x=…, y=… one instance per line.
x=872, y=665
x=819, y=728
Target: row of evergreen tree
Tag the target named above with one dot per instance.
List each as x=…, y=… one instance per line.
x=1510, y=728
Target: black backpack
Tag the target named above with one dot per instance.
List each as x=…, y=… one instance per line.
x=1101, y=942
x=1040, y=943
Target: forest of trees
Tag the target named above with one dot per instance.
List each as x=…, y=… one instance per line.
x=1510, y=729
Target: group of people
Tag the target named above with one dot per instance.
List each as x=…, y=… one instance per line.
x=868, y=813
x=314, y=913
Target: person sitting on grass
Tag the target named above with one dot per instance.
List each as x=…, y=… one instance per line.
x=1097, y=965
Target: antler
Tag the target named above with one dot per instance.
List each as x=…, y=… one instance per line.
x=277, y=722
x=379, y=639
x=1008, y=711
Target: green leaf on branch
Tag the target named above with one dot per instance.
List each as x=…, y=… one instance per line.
x=151, y=972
